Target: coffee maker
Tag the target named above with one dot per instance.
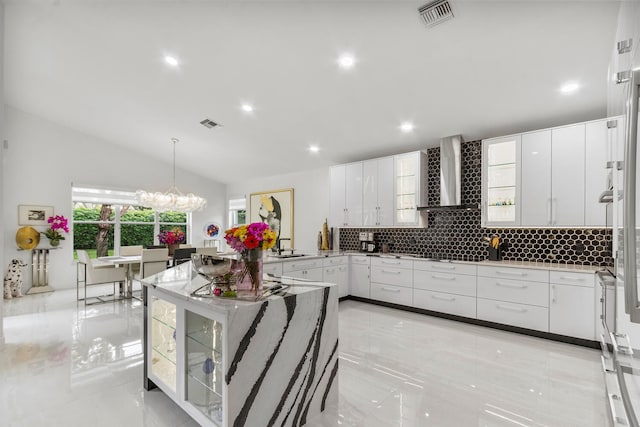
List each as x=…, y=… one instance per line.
x=367, y=242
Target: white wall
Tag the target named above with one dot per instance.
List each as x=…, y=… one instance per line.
x=44, y=159
x=2, y=137
x=310, y=199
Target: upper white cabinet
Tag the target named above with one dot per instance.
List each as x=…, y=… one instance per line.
x=346, y=194
x=379, y=193
x=410, y=188
x=501, y=181
x=555, y=180
x=567, y=175
x=378, y=208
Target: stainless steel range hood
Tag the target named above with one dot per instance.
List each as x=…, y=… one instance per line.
x=450, y=176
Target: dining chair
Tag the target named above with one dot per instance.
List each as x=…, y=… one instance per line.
x=181, y=255
x=135, y=250
x=153, y=261
x=207, y=251
x=97, y=274
x=184, y=245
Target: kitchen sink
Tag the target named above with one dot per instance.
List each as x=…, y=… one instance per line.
x=281, y=256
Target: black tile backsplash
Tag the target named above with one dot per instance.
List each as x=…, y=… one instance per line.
x=457, y=234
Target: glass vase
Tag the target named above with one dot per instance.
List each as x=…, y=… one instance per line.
x=250, y=272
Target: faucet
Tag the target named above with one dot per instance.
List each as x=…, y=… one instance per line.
x=280, y=246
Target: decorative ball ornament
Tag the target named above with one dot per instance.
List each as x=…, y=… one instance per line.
x=27, y=238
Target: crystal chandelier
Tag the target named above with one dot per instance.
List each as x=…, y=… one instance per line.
x=171, y=200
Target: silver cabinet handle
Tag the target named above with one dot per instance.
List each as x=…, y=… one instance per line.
x=390, y=271
x=554, y=211
x=435, y=276
x=346, y=216
x=511, y=273
x=329, y=270
x=511, y=285
x=390, y=262
x=549, y=210
x=443, y=267
x=390, y=290
x=576, y=279
x=517, y=310
x=443, y=298
x=553, y=293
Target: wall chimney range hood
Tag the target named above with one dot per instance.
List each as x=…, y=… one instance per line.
x=450, y=176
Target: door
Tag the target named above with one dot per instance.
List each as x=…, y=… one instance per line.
x=572, y=311
x=536, y=179
x=370, y=193
x=567, y=175
x=359, y=283
x=385, y=192
x=501, y=181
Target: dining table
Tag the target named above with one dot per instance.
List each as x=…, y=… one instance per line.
x=127, y=261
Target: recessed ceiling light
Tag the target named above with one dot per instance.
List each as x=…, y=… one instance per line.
x=247, y=108
x=171, y=60
x=314, y=148
x=569, y=87
x=406, y=127
x=346, y=61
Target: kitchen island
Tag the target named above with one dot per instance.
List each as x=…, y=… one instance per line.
x=232, y=362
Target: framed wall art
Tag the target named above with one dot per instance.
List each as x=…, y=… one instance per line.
x=34, y=215
x=276, y=209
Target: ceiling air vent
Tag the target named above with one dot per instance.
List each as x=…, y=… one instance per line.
x=436, y=12
x=209, y=123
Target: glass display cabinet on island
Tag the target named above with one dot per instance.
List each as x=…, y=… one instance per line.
x=501, y=181
x=185, y=357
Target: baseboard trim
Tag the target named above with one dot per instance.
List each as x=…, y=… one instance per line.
x=530, y=332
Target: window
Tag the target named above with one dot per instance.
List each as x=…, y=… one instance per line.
x=237, y=212
x=105, y=220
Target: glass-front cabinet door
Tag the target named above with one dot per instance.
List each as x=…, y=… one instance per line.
x=162, y=363
x=204, y=366
x=410, y=169
x=501, y=181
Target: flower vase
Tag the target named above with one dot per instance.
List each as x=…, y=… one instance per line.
x=171, y=248
x=250, y=273
x=54, y=242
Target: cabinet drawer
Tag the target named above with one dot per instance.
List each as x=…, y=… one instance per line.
x=360, y=259
x=529, y=274
x=392, y=276
x=521, y=315
x=390, y=293
x=571, y=278
x=391, y=262
x=274, y=268
x=336, y=260
x=445, y=303
x=444, y=282
x=301, y=265
x=518, y=291
x=445, y=267
x=311, y=274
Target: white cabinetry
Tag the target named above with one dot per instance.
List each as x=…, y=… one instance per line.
x=392, y=280
x=572, y=304
x=445, y=287
x=514, y=296
x=568, y=175
x=306, y=270
x=378, y=192
x=359, y=276
x=336, y=270
x=272, y=268
x=536, y=178
x=501, y=181
x=346, y=194
x=410, y=188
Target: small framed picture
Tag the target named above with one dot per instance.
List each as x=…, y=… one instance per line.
x=34, y=215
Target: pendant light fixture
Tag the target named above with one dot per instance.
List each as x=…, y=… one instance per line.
x=171, y=200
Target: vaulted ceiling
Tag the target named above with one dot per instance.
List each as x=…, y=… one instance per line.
x=495, y=68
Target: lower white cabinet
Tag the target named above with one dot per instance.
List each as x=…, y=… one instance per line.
x=522, y=315
x=518, y=291
x=359, y=277
x=336, y=270
x=272, y=268
x=312, y=274
x=572, y=311
x=436, y=281
x=459, y=305
x=393, y=294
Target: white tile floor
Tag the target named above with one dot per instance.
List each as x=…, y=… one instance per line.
x=64, y=365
